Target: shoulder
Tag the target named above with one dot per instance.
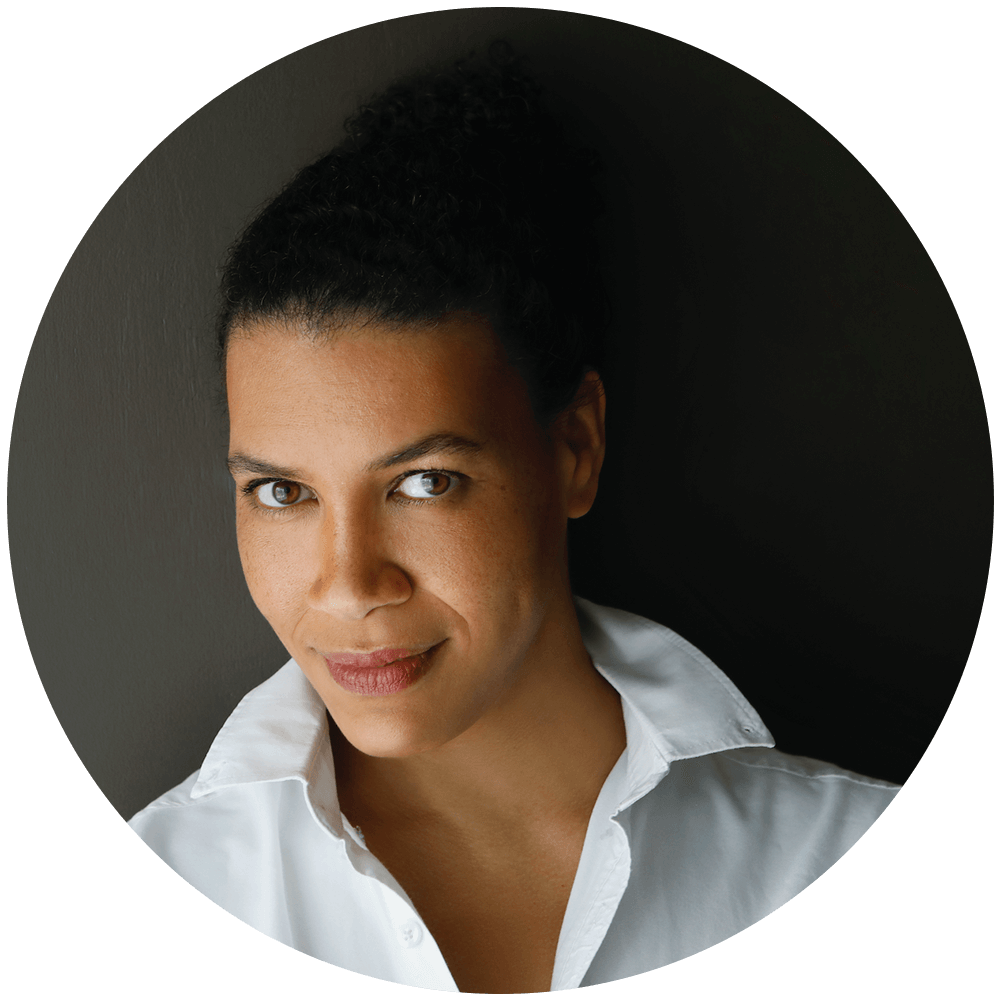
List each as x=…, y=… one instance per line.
x=177, y=798
x=251, y=848
x=767, y=766
x=184, y=828
x=212, y=840
x=756, y=820
x=786, y=797
x=173, y=824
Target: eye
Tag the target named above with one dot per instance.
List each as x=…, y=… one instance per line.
x=283, y=493
x=426, y=485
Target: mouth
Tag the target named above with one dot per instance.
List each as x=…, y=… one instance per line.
x=383, y=672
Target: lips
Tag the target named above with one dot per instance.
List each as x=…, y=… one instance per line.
x=367, y=661
x=383, y=672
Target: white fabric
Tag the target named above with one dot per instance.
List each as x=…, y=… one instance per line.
x=668, y=867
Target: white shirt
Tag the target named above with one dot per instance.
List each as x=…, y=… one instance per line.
x=699, y=830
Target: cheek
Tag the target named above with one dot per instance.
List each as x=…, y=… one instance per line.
x=269, y=567
x=503, y=550
x=522, y=527
x=250, y=542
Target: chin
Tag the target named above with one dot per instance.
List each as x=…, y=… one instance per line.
x=391, y=738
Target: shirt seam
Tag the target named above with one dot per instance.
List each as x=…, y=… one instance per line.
x=842, y=776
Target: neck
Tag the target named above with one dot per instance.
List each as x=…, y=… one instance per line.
x=543, y=751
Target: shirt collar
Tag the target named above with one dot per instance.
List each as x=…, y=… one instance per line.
x=278, y=732
x=271, y=736
x=676, y=702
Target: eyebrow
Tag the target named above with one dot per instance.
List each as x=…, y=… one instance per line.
x=433, y=444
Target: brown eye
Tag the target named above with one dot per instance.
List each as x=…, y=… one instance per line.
x=426, y=485
x=283, y=493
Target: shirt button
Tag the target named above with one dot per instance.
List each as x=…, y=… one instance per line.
x=410, y=934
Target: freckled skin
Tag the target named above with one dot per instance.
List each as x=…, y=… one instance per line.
x=473, y=785
x=482, y=567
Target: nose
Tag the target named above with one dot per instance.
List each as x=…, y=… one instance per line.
x=355, y=574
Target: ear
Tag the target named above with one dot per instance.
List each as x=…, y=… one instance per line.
x=578, y=434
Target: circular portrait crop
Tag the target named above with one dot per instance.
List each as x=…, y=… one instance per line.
x=539, y=501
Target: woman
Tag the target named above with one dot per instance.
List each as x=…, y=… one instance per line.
x=464, y=778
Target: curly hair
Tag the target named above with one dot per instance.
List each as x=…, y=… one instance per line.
x=454, y=190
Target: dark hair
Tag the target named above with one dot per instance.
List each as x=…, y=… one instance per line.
x=452, y=191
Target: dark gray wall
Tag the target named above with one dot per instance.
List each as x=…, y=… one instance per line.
x=799, y=474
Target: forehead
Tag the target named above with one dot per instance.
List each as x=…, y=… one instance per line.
x=379, y=384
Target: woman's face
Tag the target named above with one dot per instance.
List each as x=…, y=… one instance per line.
x=397, y=501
